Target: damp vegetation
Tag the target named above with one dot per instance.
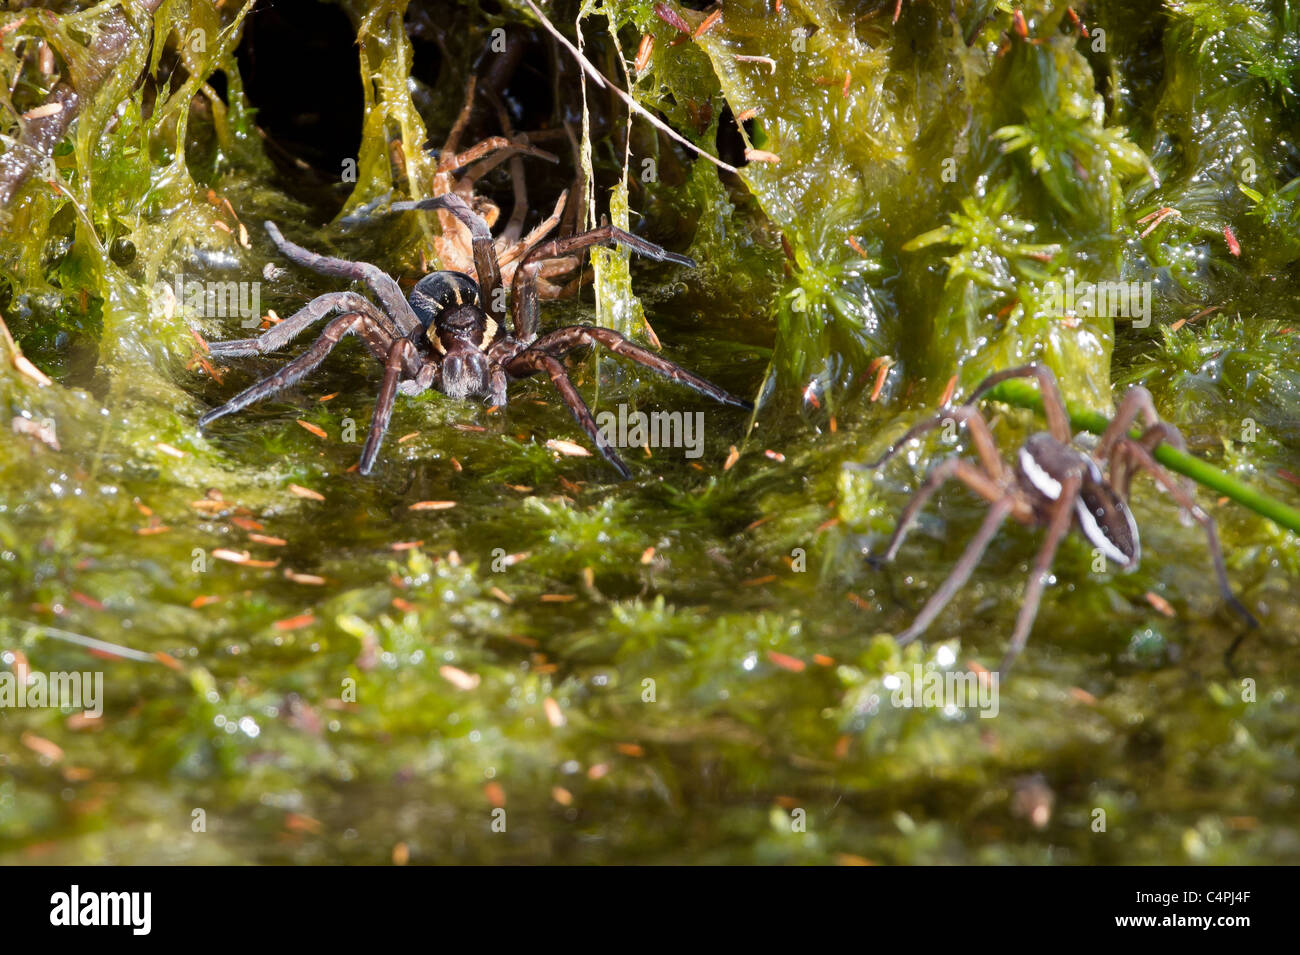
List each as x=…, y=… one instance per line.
x=490, y=650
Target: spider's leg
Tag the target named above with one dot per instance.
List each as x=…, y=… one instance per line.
x=292, y=372
x=1137, y=402
x=1058, y=420
x=500, y=150
x=1058, y=526
x=498, y=380
x=530, y=361
x=380, y=282
x=578, y=189
x=515, y=227
x=485, y=254
x=450, y=144
x=1144, y=461
x=550, y=284
x=1121, y=471
x=483, y=157
x=398, y=356
x=279, y=335
x=997, y=513
x=977, y=480
x=564, y=340
x=517, y=249
x=523, y=298
x=968, y=415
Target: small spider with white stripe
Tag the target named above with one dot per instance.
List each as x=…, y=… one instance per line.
x=1057, y=483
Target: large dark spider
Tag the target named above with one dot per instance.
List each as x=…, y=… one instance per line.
x=442, y=338
x=1057, y=483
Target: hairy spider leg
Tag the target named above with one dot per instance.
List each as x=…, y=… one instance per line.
x=485, y=156
x=515, y=227
x=544, y=354
x=978, y=481
x=1120, y=471
x=572, y=213
x=1136, y=402
x=997, y=513
x=1144, y=461
x=1058, y=419
x=985, y=447
x=532, y=361
x=523, y=299
x=564, y=340
x=516, y=250
x=379, y=282
x=399, y=355
x=279, y=335
x=452, y=142
x=1058, y=525
x=377, y=339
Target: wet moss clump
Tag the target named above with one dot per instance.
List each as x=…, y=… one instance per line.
x=301, y=667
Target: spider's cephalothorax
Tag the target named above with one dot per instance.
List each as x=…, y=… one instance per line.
x=442, y=337
x=453, y=325
x=1056, y=483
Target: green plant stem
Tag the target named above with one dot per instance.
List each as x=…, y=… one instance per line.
x=1022, y=394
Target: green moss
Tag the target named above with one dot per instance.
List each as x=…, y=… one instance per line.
x=307, y=706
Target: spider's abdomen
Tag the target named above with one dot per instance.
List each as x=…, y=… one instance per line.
x=1100, y=513
x=439, y=291
x=1105, y=519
